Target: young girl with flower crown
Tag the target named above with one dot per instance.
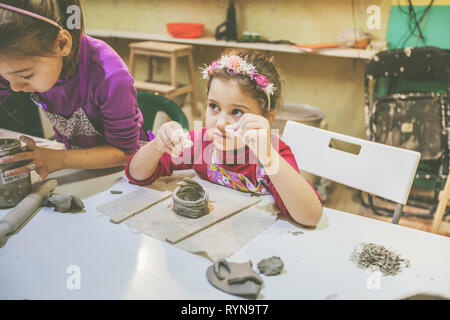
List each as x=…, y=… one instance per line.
x=235, y=148
x=81, y=84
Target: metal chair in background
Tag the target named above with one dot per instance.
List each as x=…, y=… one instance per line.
x=407, y=104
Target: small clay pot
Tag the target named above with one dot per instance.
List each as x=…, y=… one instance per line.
x=190, y=200
x=14, y=188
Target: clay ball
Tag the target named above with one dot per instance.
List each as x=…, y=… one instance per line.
x=271, y=266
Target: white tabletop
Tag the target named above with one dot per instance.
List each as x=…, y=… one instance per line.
x=52, y=251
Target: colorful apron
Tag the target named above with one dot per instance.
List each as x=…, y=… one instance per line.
x=235, y=180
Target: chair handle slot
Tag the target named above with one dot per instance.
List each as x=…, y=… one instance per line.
x=344, y=146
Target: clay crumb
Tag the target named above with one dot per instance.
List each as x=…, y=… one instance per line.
x=295, y=233
x=116, y=192
x=271, y=266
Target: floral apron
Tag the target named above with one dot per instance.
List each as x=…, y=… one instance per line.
x=234, y=180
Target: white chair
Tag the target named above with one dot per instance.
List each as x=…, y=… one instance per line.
x=379, y=169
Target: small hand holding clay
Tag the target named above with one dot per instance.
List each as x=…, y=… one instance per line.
x=171, y=138
x=254, y=131
x=44, y=161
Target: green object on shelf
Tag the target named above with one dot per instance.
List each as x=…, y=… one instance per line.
x=20, y=114
x=150, y=104
x=435, y=29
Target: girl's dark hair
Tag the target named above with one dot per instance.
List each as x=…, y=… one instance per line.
x=264, y=65
x=21, y=35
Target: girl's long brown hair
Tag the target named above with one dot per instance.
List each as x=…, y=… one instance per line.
x=21, y=35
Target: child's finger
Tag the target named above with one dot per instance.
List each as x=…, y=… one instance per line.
x=257, y=123
x=172, y=136
x=22, y=156
x=31, y=145
x=167, y=144
x=177, y=136
x=177, y=148
x=187, y=142
x=251, y=135
x=246, y=118
x=17, y=171
x=43, y=173
x=231, y=129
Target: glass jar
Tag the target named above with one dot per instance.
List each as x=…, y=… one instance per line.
x=14, y=188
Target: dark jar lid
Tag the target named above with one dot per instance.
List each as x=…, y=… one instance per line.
x=8, y=146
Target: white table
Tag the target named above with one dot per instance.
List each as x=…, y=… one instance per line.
x=53, y=250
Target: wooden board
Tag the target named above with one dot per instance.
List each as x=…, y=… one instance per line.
x=149, y=209
x=222, y=210
x=132, y=203
x=160, y=222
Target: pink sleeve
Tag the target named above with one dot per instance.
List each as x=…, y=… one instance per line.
x=165, y=166
x=5, y=89
x=287, y=155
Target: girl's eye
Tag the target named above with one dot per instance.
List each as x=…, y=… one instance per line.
x=214, y=107
x=237, y=112
x=28, y=77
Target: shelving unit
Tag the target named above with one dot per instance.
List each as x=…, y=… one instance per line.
x=133, y=35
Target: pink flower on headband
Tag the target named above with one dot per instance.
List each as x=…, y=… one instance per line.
x=236, y=65
x=262, y=81
x=214, y=64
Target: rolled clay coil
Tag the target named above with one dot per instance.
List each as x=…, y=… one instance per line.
x=190, y=199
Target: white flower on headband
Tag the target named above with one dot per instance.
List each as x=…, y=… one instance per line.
x=237, y=65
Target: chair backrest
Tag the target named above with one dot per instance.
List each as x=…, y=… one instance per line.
x=421, y=63
x=378, y=169
x=150, y=104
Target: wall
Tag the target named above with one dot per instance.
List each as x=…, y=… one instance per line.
x=333, y=84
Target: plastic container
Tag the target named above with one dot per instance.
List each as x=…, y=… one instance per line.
x=185, y=29
x=12, y=189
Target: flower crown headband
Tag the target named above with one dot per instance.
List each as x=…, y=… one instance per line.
x=236, y=65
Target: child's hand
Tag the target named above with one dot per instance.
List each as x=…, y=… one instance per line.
x=254, y=130
x=171, y=138
x=44, y=161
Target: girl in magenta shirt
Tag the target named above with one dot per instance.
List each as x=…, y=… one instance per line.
x=235, y=148
x=81, y=84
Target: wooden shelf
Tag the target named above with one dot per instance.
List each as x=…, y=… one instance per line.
x=339, y=52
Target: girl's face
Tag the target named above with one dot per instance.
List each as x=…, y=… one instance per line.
x=31, y=74
x=36, y=74
x=226, y=104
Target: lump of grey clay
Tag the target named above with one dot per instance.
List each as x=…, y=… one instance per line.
x=65, y=202
x=116, y=192
x=271, y=266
